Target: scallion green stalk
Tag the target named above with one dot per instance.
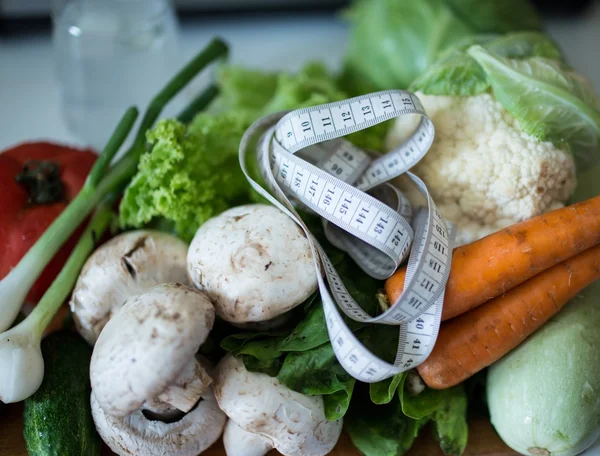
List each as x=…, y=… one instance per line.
x=21, y=361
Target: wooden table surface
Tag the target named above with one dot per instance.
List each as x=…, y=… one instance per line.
x=483, y=440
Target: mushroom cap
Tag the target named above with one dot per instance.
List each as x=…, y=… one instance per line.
x=137, y=435
x=293, y=423
x=128, y=264
x=254, y=261
x=238, y=442
x=148, y=345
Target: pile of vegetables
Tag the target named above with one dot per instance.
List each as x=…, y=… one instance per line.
x=202, y=308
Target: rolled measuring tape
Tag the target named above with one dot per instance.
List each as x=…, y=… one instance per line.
x=304, y=160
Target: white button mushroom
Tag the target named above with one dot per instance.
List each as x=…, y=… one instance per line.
x=255, y=263
x=290, y=422
x=147, y=352
x=143, y=368
x=128, y=264
x=238, y=442
x=157, y=434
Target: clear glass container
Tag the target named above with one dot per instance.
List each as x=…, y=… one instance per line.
x=111, y=54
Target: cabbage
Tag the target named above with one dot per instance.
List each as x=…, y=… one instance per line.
x=392, y=42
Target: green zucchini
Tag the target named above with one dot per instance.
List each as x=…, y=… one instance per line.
x=57, y=418
x=544, y=396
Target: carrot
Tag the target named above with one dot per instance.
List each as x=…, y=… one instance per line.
x=474, y=340
x=495, y=264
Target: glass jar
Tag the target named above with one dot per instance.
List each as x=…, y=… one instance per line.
x=111, y=54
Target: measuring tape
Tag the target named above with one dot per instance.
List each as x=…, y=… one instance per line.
x=303, y=158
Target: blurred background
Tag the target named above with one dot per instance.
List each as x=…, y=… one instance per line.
x=53, y=51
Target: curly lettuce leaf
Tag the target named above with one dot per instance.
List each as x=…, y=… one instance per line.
x=551, y=102
x=189, y=174
x=392, y=42
x=244, y=88
x=261, y=93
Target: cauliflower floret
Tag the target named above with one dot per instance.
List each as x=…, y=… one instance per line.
x=483, y=172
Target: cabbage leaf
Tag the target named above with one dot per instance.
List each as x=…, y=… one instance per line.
x=550, y=101
x=392, y=42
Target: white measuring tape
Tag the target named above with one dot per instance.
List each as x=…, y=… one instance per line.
x=363, y=215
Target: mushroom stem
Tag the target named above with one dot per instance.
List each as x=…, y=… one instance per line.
x=238, y=442
x=185, y=392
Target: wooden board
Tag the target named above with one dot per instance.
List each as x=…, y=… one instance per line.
x=483, y=440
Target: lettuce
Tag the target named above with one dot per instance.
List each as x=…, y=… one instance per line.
x=392, y=42
x=190, y=174
x=260, y=93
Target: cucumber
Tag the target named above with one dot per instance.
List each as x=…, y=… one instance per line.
x=57, y=418
x=544, y=397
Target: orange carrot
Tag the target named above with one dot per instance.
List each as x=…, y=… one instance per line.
x=474, y=340
x=499, y=262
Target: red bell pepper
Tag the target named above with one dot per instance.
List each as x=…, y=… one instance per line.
x=37, y=181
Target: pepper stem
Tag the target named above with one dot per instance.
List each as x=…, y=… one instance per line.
x=41, y=180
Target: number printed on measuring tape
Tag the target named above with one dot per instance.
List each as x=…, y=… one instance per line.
x=305, y=162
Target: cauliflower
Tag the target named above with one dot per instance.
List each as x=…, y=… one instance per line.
x=483, y=172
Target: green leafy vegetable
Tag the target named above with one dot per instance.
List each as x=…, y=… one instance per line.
x=447, y=409
x=422, y=405
x=551, y=102
x=392, y=42
x=265, y=366
x=383, y=392
x=235, y=342
x=260, y=93
x=588, y=184
x=381, y=430
x=245, y=88
x=263, y=93
x=189, y=175
x=317, y=372
x=457, y=73
x=309, y=333
x=450, y=421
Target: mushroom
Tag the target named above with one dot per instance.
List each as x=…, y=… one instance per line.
x=147, y=353
x=254, y=261
x=150, y=395
x=160, y=431
x=238, y=442
x=128, y=264
x=276, y=416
